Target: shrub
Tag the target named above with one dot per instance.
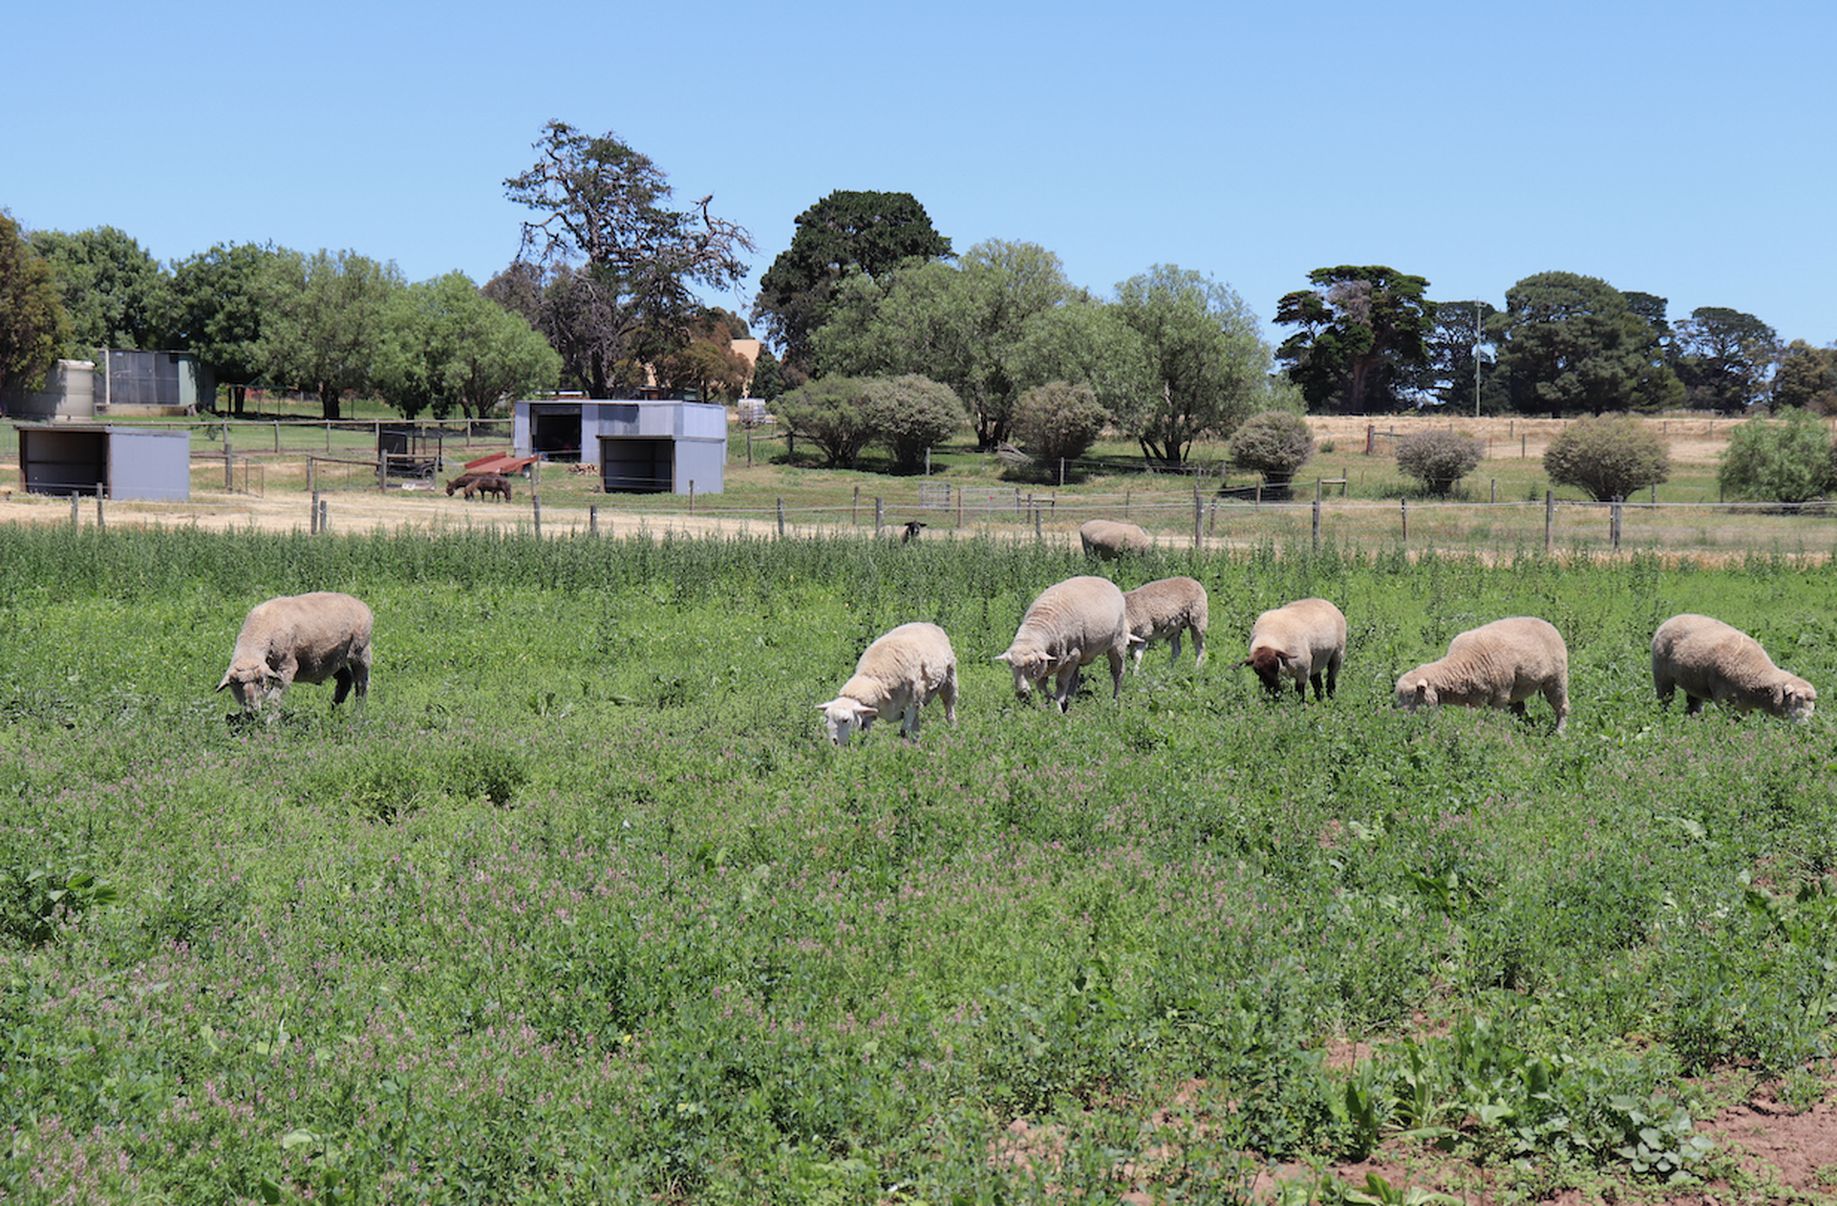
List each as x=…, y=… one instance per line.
x=834, y=413
x=1057, y=420
x=1787, y=459
x=1275, y=443
x=1610, y=457
x=910, y=414
x=1438, y=459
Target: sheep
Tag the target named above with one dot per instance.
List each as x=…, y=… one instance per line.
x=900, y=672
x=308, y=638
x=1712, y=660
x=1498, y=665
x=1071, y=624
x=913, y=528
x=1162, y=611
x=1107, y=540
x=1302, y=640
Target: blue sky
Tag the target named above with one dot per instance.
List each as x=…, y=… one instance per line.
x=1683, y=149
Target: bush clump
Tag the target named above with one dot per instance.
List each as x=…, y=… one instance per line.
x=1275, y=443
x=1058, y=421
x=1786, y=459
x=1438, y=459
x=909, y=414
x=1610, y=457
x=834, y=413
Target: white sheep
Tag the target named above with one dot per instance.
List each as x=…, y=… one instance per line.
x=1497, y=665
x=1163, y=610
x=1071, y=625
x=901, y=672
x=1713, y=660
x=1107, y=539
x=1302, y=641
x=300, y=638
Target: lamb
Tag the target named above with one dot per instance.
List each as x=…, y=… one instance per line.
x=1712, y=660
x=1107, y=540
x=1162, y=611
x=308, y=638
x=1071, y=624
x=1302, y=640
x=1498, y=665
x=901, y=672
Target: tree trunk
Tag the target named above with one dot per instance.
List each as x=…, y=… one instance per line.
x=238, y=395
x=329, y=401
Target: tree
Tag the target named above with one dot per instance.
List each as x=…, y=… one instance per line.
x=1610, y=457
x=847, y=232
x=707, y=365
x=833, y=413
x=1438, y=459
x=623, y=259
x=1659, y=386
x=768, y=376
x=326, y=329
x=111, y=287
x=1058, y=421
x=219, y=299
x=448, y=347
x=911, y=414
x=1084, y=343
x=1724, y=358
x=1275, y=443
x=957, y=325
x=33, y=325
x=1459, y=328
x=1361, y=338
x=1208, y=367
x=1787, y=459
x=1807, y=377
x=1572, y=344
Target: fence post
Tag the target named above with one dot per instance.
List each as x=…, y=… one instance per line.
x=1655, y=494
x=1495, y=489
x=101, y=489
x=593, y=519
x=879, y=515
x=1523, y=442
x=277, y=435
x=1549, y=519
x=535, y=510
x=749, y=448
x=1317, y=525
x=1212, y=517
x=1613, y=524
x=1061, y=473
x=1256, y=502
x=1038, y=535
x=1199, y=510
x=854, y=509
x=312, y=489
x=781, y=519
x=325, y=518
x=1127, y=495
x=928, y=460
x=959, y=506
x=691, y=496
x=1371, y=438
x=229, y=466
x=328, y=435
x=74, y=521
x=1404, y=505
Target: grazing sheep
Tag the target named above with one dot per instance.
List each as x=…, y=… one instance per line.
x=1162, y=611
x=308, y=638
x=1712, y=660
x=900, y=673
x=913, y=528
x=1107, y=540
x=1301, y=641
x=1071, y=624
x=1497, y=665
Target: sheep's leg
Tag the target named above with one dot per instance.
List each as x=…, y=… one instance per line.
x=1174, y=644
x=1516, y=709
x=360, y=674
x=1692, y=704
x=1116, y=674
x=1136, y=652
x=1558, y=695
x=1665, y=688
x=343, y=677
x=1332, y=675
x=909, y=722
x=948, y=692
x=1199, y=645
x=1314, y=679
x=1301, y=689
x=1068, y=686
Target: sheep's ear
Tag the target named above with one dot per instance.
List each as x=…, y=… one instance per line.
x=867, y=713
x=1283, y=657
x=225, y=682
x=1004, y=657
x=1422, y=689
x=1246, y=662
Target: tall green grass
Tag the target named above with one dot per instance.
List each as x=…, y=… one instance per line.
x=581, y=907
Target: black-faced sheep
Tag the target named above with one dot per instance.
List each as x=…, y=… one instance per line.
x=1302, y=641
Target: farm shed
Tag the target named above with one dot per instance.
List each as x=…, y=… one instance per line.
x=125, y=462
x=640, y=446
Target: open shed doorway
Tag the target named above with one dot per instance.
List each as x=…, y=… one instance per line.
x=554, y=432
x=63, y=462
x=637, y=466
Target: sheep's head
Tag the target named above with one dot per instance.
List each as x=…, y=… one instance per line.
x=1030, y=666
x=844, y=717
x=252, y=683
x=1795, y=698
x=1269, y=664
x=1414, y=691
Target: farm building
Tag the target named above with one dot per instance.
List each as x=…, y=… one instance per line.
x=640, y=446
x=69, y=393
x=154, y=382
x=122, y=462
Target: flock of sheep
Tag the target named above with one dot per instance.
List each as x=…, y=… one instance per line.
x=314, y=637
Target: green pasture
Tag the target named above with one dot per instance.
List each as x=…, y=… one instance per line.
x=580, y=907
